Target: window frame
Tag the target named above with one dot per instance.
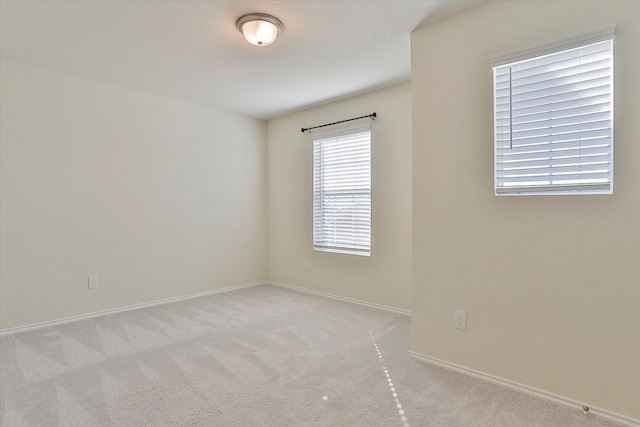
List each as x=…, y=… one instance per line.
x=331, y=234
x=515, y=58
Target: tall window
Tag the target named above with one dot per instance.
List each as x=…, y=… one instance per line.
x=342, y=191
x=554, y=120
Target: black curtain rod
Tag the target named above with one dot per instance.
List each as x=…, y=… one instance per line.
x=372, y=116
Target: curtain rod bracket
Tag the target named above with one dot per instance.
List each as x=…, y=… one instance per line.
x=372, y=116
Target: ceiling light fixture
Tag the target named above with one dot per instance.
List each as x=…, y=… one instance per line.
x=260, y=29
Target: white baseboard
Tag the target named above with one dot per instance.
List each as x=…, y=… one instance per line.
x=341, y=298
x=186, y=297
x=541, y=394
x=120, y=309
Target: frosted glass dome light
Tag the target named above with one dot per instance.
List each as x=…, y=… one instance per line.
x=260, y=29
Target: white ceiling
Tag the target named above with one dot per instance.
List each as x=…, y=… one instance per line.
x=192, y=51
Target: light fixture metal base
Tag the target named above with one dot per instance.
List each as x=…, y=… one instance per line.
x=259, y=17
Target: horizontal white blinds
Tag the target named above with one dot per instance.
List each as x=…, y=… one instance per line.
x=554, y=122
x=342, y=191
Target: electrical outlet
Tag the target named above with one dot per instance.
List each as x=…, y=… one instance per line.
x=460, y=319
x=93, y=282
x=306, y=264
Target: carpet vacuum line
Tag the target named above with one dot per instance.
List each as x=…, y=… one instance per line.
x=403, y=417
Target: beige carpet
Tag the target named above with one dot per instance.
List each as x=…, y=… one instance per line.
x=262, y=356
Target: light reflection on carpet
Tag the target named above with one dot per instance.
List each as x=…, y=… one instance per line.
x=394, y=393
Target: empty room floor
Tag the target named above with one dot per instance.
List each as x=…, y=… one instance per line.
x=259, y=356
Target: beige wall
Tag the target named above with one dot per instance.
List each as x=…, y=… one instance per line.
x=384, y=278
x=551, y=284
x=157, y=197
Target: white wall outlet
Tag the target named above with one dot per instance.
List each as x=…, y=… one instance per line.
x=93, y=282
x=460, y=319
x=306, y=264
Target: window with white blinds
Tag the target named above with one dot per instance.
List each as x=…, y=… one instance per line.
x=342, y=191
x=553, y=118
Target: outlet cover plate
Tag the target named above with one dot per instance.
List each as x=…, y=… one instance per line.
x=93, y=282
x=460, y=320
